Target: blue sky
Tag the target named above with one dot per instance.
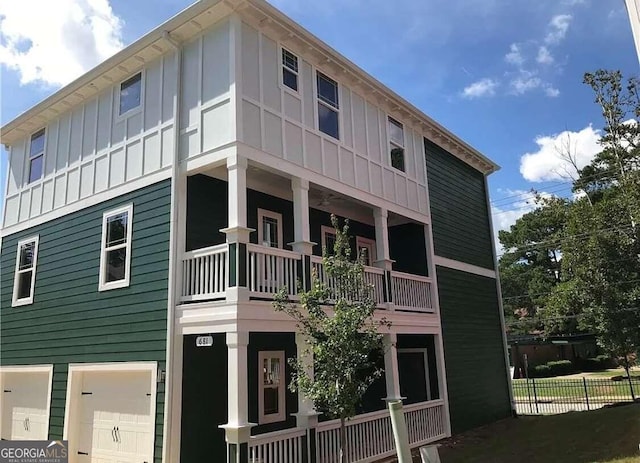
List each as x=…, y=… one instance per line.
x=504, y=75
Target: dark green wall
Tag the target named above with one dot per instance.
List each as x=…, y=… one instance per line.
x=265, y=342
x=459, y=215
x=407, y=246
x=473, y=349
x=204, y=400
x=70, y=321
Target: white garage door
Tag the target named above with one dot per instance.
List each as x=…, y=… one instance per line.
x=25, y=397
x=116, y=423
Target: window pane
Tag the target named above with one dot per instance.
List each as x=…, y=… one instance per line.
x=37, y=143
x=130, y=92
x=35, y=168
x=290, y=79
x=24, y=284
x=270, y=232
x=117, y=229
x=330, y=243
x=290, y=60
x=328, y=121
x=116, y=264
x=396, y=132
x=26, y=255
x=364, y=255
x=397, y=158
x=328, y=90
x=270, y=400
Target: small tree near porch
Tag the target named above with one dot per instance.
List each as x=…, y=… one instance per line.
x=340, y=342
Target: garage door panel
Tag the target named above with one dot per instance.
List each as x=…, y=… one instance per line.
x=25, y=405
x=120, y=401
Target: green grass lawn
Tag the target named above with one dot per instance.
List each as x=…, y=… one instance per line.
x=564, y=388
x=608, y=435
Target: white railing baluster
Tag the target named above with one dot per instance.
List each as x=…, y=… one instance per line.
x=204, y=273
x=411, y=292
x=370, y=436
x=270, y=269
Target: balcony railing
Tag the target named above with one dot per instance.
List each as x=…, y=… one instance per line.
x=369, y=437
x=372, y=275
x=205, y=273
x=270, y=269
x=411, y=292
x=205, y=276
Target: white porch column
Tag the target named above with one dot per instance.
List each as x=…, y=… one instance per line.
x=302, y=233
x=237, y=429
x=391, y=374
x=383, y=259
x=382, y=238
x=307, y=415
x=237, y=231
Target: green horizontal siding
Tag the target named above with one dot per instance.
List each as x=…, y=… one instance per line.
x=70, y=321
x=459, y=214
x=473, y=349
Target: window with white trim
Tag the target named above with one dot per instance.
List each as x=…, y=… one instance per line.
x=396, y=144
x=329, y=237
x=25, y=276
x=366, y=249
x=269, y=228
x=271, y=387
x=36, y=156
x=131, y=94
x=115, y=257
x=328, y=106
x=289, y=69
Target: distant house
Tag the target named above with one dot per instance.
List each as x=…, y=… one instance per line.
x=153, y=207
x=540, y=350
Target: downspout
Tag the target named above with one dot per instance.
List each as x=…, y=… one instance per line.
x=173, y=253
x=500, y=306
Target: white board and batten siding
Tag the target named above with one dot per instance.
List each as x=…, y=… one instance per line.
x=283, y=123
x=92, y=149
x=208, y=109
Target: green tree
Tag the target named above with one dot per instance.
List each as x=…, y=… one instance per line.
x=341, y=342
x=600, y=288
x=530, y=266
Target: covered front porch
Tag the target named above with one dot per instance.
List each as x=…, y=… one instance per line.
x=262, y=421
x=251, y=231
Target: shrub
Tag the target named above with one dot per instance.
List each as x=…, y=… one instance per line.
x=541, y=371
x=561, y=367
x=601, y=362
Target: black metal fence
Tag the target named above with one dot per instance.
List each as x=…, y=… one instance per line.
x=550, y=396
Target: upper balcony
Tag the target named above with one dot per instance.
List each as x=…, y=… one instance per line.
x=287, y=224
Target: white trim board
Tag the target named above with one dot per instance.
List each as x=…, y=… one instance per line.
x=464, y=267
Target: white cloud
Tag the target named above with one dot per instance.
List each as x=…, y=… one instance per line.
x=559, y=25
x=481, y=88
x=547, y=163
x=506, y=211
x=525, y=82
x=53, y=42
x=544, y=55
x=551, y=92
x=515, y=55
